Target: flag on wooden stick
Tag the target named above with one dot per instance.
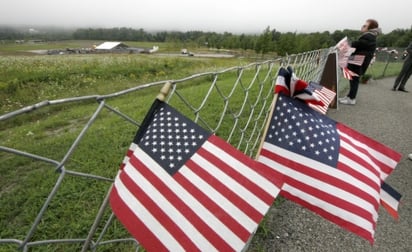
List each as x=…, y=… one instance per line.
x=182, y=188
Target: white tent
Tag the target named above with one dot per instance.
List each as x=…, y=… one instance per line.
x=111, y=45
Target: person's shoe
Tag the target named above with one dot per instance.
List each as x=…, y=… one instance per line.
x=347, y=101
x=410, y=156
x=393, y=89
x=403, y=90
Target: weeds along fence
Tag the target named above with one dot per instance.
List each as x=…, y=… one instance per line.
x=59, y=162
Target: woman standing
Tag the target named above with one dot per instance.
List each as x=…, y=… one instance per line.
x=359, y=61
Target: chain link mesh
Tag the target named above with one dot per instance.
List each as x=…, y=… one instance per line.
x=233, y=103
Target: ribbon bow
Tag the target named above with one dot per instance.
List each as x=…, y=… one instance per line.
x=287, y=83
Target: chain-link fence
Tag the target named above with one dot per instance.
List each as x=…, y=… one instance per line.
x=69, y=150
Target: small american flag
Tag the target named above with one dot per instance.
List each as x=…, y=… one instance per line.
x=329, y=168
x=348, y=74
x=390, y=199
x=325, y=95
x=182, y=188
x=356, y=59
x=287, y=83
x=345, y=52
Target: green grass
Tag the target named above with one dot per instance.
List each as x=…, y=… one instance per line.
x=51, y=131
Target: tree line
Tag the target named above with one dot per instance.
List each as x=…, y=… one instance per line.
x=270, y=40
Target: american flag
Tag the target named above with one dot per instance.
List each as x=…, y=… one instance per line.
x=356, y=59
x=329, y=168
x=325, y=95
x=390, y=199
x=345, y=52
x=287, y=83
x=182, y=188
x=348, y=74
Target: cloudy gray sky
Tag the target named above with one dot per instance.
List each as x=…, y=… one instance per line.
x=235, y=16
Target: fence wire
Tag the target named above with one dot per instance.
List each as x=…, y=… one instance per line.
x=233, y=103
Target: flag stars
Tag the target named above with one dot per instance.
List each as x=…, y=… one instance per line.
x=171, y=138
x=297, y=129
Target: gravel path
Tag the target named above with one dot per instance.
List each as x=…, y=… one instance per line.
x=385, y=116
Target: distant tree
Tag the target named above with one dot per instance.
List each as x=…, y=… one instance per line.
x=268, y=41
x=264, y=43
x=287, y=44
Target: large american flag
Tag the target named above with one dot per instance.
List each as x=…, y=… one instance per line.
x=329, y=168
x=182, y=188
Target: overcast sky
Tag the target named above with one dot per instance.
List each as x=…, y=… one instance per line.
x=235, y=16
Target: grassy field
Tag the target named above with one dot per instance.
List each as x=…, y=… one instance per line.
x=50, y=132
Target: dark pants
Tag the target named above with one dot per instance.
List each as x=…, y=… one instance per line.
x=404, y=75
x=354, y=85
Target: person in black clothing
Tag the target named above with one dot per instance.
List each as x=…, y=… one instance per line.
x=365, y=48
x=406, y=71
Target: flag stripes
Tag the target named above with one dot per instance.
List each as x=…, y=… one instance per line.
x=348, y=74
x=315, y=174
x=316, y=186
x=313, y=204
x=326, y=96
x=382, y=158
x=356, y=59
x=174, y=205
